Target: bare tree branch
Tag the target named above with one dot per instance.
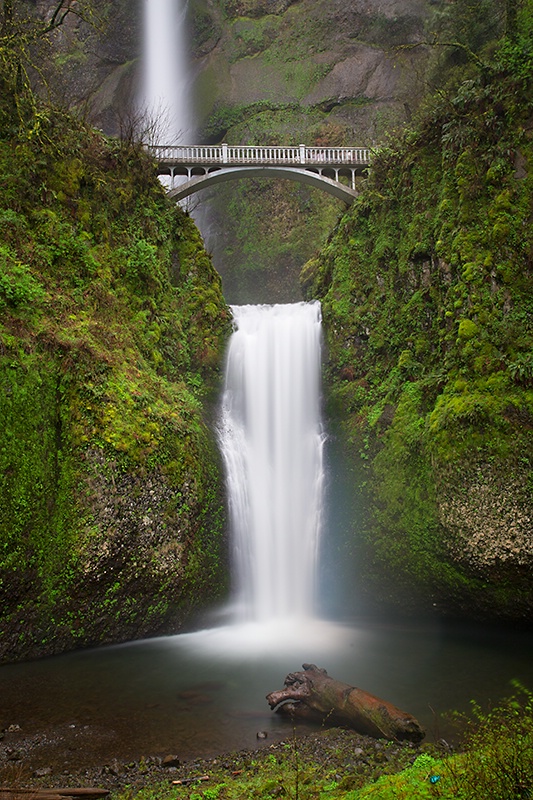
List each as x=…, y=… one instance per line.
x=61, y=11
x=27, y=29
x=21, y=37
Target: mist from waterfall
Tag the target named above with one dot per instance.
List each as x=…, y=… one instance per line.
x=272, y=443
x=165, y=102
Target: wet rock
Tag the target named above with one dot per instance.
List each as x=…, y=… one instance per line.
x=262, y=734
x=42, y=772
x=341, y=752
x=170, y=761
x=115, y=768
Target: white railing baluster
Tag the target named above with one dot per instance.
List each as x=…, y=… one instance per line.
x=301, y=155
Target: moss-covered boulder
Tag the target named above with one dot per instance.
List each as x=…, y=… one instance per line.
x=111, y=333
x=426, y=287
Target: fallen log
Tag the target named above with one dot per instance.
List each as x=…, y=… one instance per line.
x=17, y=794
x=46, y=794
x=312, y=694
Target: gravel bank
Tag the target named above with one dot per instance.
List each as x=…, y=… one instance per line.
x=342, y=755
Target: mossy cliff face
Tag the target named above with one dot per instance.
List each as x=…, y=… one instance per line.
x=90, y=64
x=282, y=73
x=427, y=289
x=112, y=327
x=337, y=73
x=309, y=68
x=345, y=72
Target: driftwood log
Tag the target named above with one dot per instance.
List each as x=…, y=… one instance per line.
x=312, y=694
x=87, y=793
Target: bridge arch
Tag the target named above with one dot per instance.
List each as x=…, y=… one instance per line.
x=221, y=175
x=206, y=165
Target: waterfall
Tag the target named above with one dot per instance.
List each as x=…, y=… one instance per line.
x=165, y=100
x=272, y=442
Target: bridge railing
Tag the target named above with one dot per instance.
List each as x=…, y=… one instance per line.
x=247, y=154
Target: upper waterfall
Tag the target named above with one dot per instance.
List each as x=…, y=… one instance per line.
x=165, y=101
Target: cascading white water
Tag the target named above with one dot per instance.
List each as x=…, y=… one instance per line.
x=270, y=434
x=165, y=100
x=272, y=444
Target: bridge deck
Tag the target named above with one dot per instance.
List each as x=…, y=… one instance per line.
x=229, y=155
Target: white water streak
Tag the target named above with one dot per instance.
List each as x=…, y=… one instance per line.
x=166, y=85
x=272, y=444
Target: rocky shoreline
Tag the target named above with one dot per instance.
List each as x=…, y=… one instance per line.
x=349, y=757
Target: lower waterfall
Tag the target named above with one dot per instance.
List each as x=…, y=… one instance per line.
x=272, y=443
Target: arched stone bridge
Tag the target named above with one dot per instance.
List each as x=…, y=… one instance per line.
x=205, y=165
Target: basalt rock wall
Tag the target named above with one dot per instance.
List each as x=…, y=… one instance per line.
x=336, y=73
x=426, y=288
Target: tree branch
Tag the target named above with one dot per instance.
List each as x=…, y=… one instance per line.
x=61, y=11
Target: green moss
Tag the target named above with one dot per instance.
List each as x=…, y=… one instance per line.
x=426, y=291
x=252, y=36
x=38, y=475
x=113, y=326
x=283, y=216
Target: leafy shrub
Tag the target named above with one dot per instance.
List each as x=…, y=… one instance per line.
x=498, y=762
x=18, y=287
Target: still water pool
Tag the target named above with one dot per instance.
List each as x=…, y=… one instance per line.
x=203, y=693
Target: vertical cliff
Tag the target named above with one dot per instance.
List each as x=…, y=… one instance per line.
x=111, y=334
x=426, y=287
x=289, y=72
